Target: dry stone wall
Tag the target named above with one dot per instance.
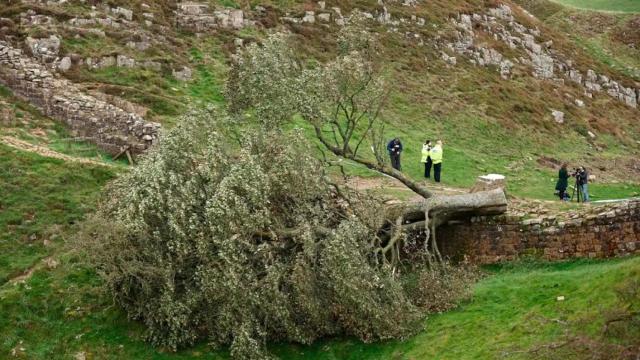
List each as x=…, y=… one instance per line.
x=108, y=126
x=604, y=232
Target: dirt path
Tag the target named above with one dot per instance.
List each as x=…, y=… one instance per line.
x=44, y=151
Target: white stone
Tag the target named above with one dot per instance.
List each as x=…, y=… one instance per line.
x=324, y=17
x=64, y=64
x=558, y=116
x=309, y=17
x=579, y=103
x=182, y=75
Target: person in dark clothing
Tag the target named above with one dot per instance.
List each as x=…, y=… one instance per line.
x=426, y=158
x=563, y=182
x=394, y=147
x=583, y=182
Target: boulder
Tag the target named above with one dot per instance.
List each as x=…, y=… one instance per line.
x=558, y=116
x=124, y=61
x=309, y=17
x=183, y=74
x=64, y=64
x=126, y=13
x=45, y=49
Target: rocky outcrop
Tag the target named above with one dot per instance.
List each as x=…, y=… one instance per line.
x=198, y=17
x=544, y=61
x=109, y=127
x=600, y=232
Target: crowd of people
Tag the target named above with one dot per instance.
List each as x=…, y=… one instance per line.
x=431, y=157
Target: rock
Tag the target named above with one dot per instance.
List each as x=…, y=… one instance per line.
x=322, y=5
x=51, y=263
x=237, y=19
x=80, y=356
x=124, y=61
x=451, y=60
x=579, y=103
x=505, y=69
x=575, y=76
x=106, y=61
x=139, y=45
x=64, y=64
x=182, y=75
x=543, y=66
x=591, y=135
x=324, y=17
x=489, y=182
x=45, y=49
x=558, y=116
x=238, y=42
x=309, y=17
x=126, y=13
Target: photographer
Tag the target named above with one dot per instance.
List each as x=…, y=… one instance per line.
x=582, y=180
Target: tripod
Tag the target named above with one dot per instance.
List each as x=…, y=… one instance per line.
x=577, y=191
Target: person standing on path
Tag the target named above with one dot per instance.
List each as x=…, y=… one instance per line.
x=563, y=182
x=436, y=158
x=394, y=147
x=426, y=158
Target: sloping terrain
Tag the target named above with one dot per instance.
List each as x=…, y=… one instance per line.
x=492, y=102
x=490, y=82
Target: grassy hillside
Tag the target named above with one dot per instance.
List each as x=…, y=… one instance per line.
x=489, y=125
x=603, y=5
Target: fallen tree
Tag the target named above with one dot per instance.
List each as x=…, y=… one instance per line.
x=238, y=237
x=231, y=229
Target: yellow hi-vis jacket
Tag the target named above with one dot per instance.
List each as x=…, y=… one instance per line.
x=426, y=152
x=436, y=154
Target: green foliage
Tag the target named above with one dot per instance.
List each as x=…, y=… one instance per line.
x=241, y=238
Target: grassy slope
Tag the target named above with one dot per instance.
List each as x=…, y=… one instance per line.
x=61, y=312
x=510, y=313
x=488, y=124
x=604, y=5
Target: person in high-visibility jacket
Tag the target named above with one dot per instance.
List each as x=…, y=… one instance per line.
x=436, y=158
x=426, y=158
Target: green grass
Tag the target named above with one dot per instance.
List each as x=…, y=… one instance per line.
x=603, y=5
x=40, y=198
x=511, y=312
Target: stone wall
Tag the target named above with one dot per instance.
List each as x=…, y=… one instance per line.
x=108, y=126
x=604, y=232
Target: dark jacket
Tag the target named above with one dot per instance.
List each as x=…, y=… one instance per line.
x=563, y=180
x=583, y=177
x=394, y=147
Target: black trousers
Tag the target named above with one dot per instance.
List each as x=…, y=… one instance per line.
x=395, y=161
x=437, y=168
x=427, y=168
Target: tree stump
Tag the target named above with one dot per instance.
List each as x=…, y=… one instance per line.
x=490, y=182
